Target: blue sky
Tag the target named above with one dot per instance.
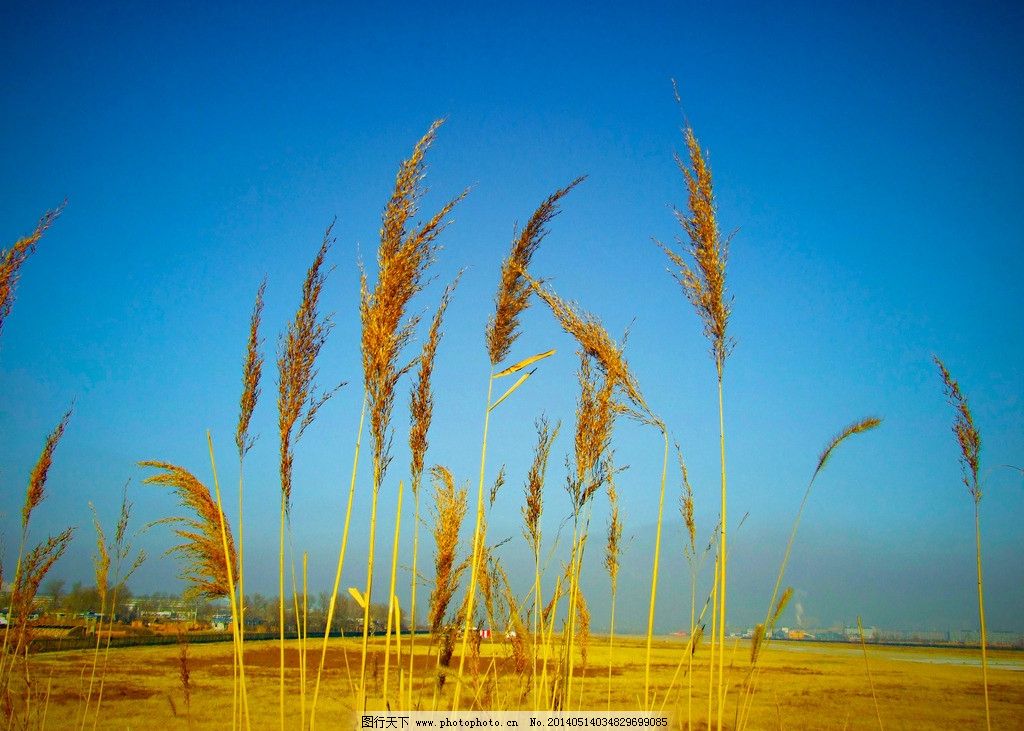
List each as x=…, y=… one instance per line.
x=868, y=158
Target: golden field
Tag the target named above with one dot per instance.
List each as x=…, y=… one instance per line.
x=803, y=685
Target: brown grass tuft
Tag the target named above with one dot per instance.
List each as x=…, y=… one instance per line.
x=704, y=284
x=206, y=567
x=513, y=290
x=451, y=510
x=966, y=433
x=37, y=479
x=251, y=373
x=297, y=400
x=12, y=259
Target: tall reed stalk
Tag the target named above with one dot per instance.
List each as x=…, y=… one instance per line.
x=298, y=403
x=704, y=286
x=403, y=257
x=251, y=373
x=969, y=440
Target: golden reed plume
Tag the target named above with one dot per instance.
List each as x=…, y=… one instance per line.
x=534, y=505
x=451, y=510
x=297, y=400
x=402, y=260
x=595, y=341
x=12, y=259
x=421, y=402
x=514, y=290
x=967, y=436
x=206, y=566
x=704, y=284
x=251, y=372
x=37, y=479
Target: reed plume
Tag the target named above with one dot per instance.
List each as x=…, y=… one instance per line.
x=206, y=563
x=967, y=436
x=37, y=479
x=513, y=295
x=251, y=372
x=451, y=509
x=534, y=489
x=969, y=440
x=402, y=260
x=704, y=282
x=12, y=259
x=595, y=418
x=595, y=341
x=421, y=402
x=298, y=400
x=686, y=504
x=37, y=565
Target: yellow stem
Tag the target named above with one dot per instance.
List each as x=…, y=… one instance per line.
x=412, y=588
x=477, y=538
x=231, y=581
x=654, y=578
x=725, y=560
x=391, y=590
x=280, y=607
x=337, y=574
x=369, y=582
x=981, y=615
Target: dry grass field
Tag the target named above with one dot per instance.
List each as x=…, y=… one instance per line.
x=803, y=685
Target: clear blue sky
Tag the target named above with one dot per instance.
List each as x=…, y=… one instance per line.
x=869, y=158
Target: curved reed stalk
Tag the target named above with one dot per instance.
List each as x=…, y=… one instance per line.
x=969, y=440
x=613, y=553
x=774, y=611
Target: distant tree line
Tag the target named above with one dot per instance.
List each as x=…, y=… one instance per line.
x=261, y=612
